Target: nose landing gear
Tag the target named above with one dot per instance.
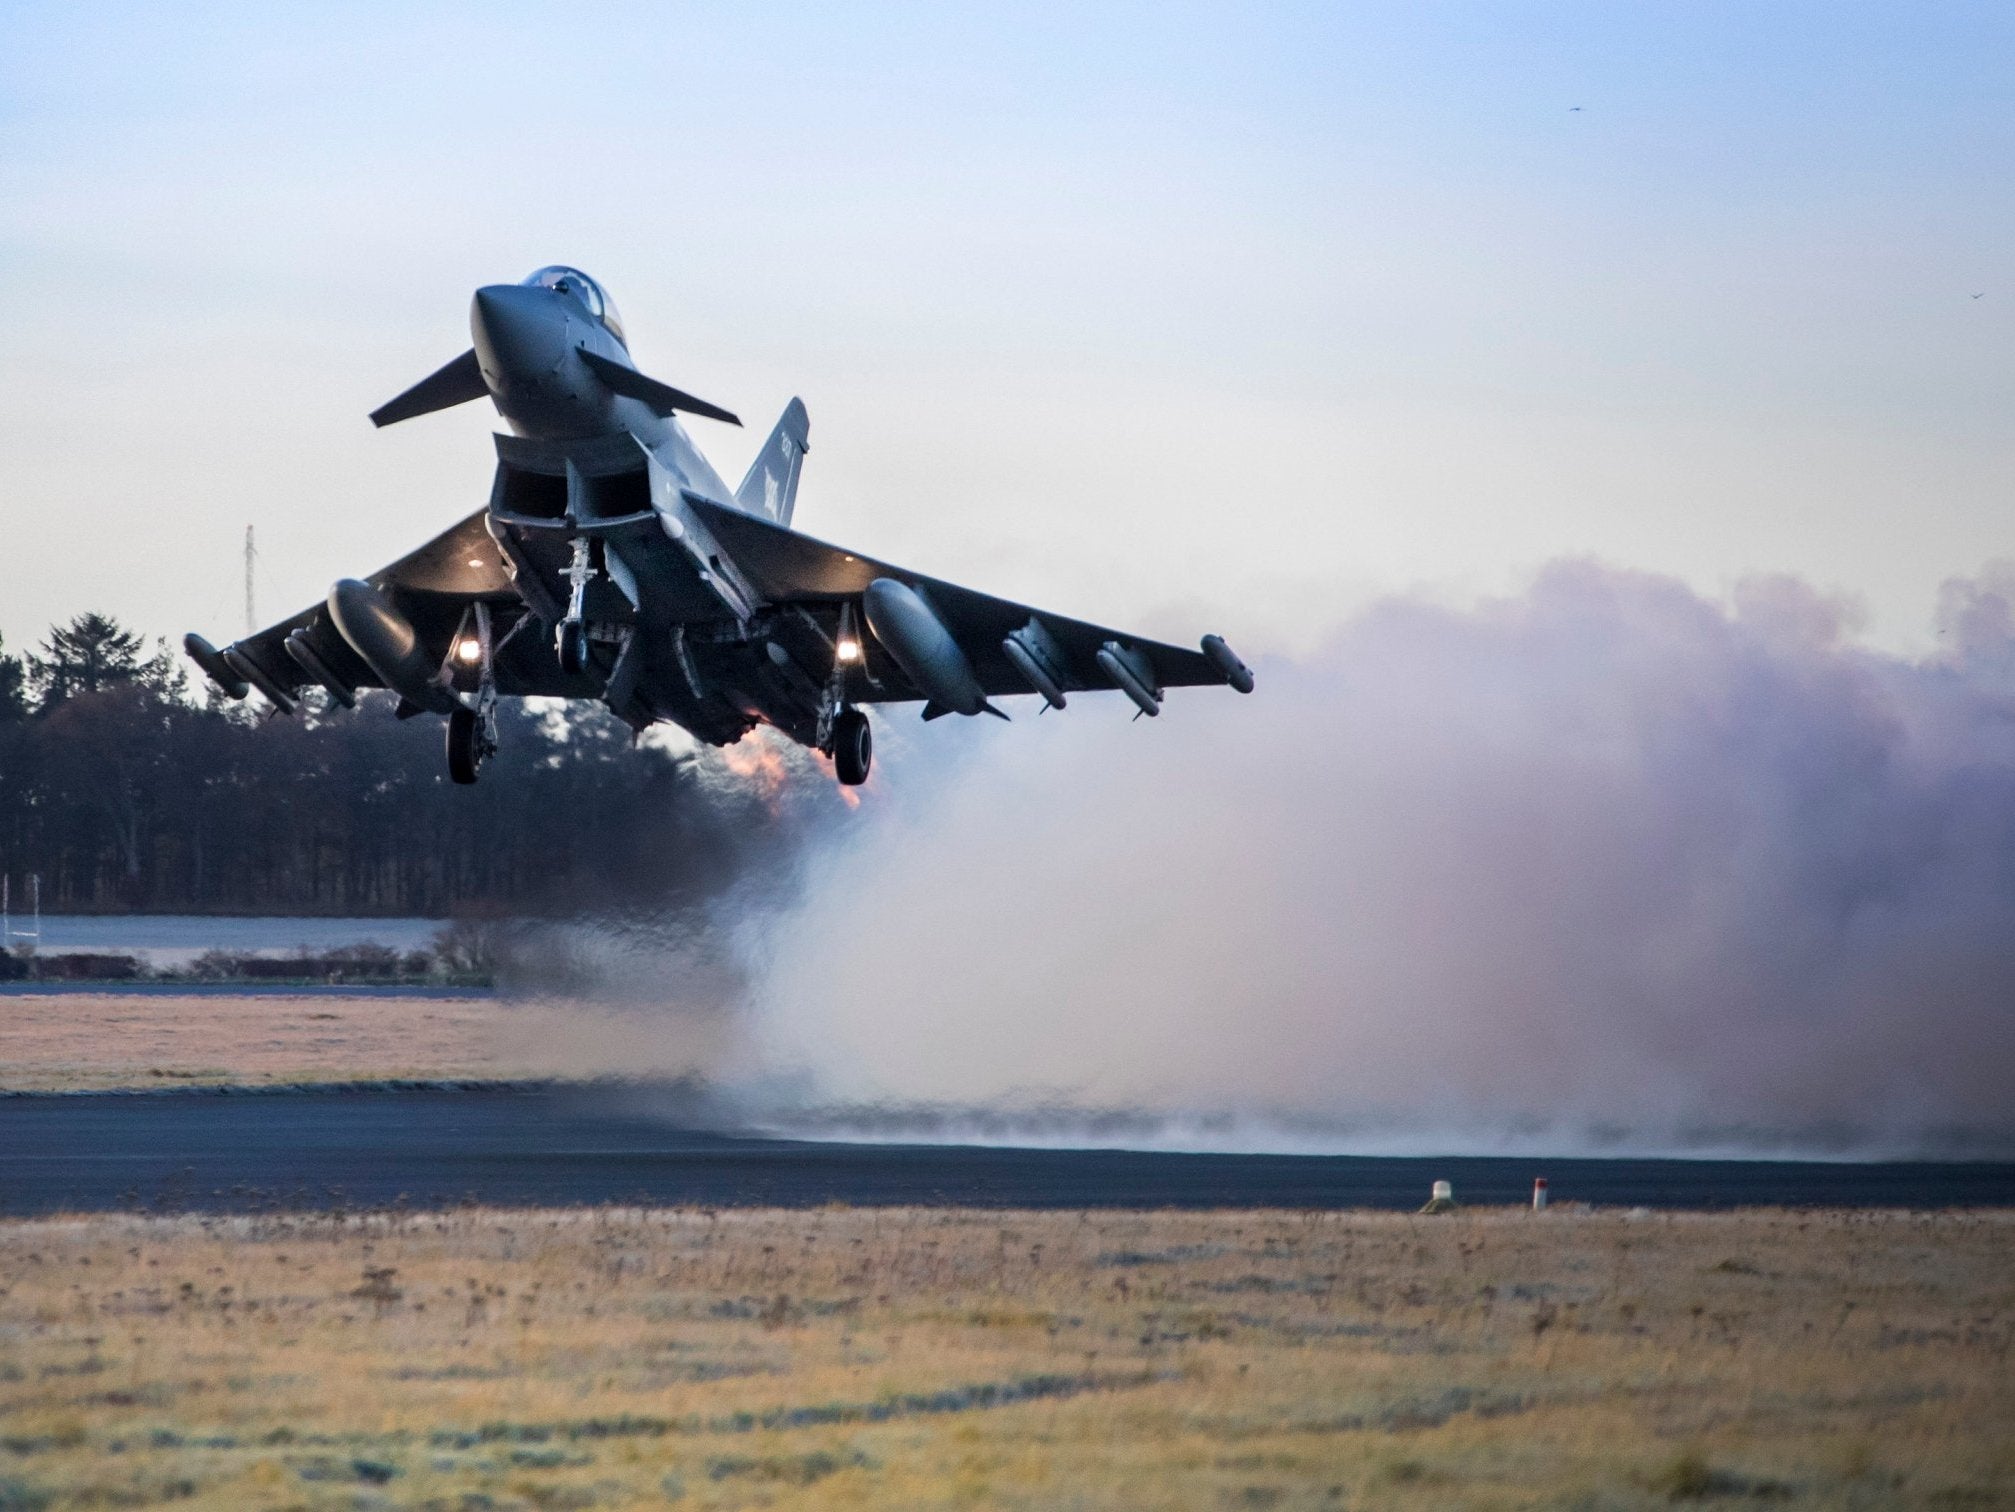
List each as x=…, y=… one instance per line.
x=572, y=640
x=573, y=645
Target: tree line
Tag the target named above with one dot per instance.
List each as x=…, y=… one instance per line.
x=127, y=790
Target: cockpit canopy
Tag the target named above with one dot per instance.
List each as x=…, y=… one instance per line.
x=591, y=294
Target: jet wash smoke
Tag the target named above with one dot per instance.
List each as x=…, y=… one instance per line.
x=1604, y=864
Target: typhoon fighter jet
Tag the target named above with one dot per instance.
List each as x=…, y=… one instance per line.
x=613, y=563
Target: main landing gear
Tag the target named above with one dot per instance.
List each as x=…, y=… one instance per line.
x=843, y=732
x=465, y=746
x=472, y=728
x=853, y=747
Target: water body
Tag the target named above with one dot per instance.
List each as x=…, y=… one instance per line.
x=172, y=940
x=563, y=1146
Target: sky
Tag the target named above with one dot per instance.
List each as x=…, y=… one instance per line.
x=1184, y=317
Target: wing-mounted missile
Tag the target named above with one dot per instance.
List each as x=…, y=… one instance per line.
x=250, y=671
x=389, y=645
x=457, y=383
x=1132, y=674
x=1236, y=672
x=211, y=660
x=301, y=647
x=661, y=397
x=236, y=672
x=913, y=635
x=1038, y=657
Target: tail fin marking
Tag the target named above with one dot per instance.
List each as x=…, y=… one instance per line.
x=771, y=488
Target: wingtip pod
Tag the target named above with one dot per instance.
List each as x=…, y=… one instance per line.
x=1222, y=657
x=211, y=660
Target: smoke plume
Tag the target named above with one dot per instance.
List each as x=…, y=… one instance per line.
x=1602, y=865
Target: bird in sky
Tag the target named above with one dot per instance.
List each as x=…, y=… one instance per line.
x=1981, y=294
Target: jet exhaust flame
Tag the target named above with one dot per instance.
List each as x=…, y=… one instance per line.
x=758, y=761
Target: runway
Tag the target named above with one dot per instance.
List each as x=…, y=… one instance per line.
x=548, y=1146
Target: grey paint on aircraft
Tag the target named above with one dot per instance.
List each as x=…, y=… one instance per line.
x=614, y=563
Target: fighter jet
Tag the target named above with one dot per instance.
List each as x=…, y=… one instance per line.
x=613, y=563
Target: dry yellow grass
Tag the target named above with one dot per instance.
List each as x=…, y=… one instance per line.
x=927, y=1358
x=73, y=1041
x=90, y=1041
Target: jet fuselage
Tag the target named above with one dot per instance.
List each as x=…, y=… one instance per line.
x=613, y=563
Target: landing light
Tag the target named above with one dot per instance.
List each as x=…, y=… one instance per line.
x=469, y=649
x=847, y=652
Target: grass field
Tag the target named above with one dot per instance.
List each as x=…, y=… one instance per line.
x=87, y=1041
x=96, y=1041
x=924, y=1358
x=80, y=1041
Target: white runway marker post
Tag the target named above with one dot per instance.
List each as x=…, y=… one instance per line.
x=1539, y=1194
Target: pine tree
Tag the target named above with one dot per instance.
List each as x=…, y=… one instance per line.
x=93, y=653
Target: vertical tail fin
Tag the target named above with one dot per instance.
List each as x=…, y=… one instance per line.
x=771, y=488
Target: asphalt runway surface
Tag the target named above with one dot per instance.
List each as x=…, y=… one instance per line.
x=551, y=1146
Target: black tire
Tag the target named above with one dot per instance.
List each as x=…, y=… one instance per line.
x=853, y=747
x=465, y=753
x=574, y=646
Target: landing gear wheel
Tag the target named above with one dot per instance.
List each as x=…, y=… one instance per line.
x=465, y=745
x=574, y=646
x=853, y=747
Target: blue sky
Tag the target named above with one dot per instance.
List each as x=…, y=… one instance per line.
x=1185, y=316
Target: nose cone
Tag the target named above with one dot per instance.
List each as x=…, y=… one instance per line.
x=520, y=335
